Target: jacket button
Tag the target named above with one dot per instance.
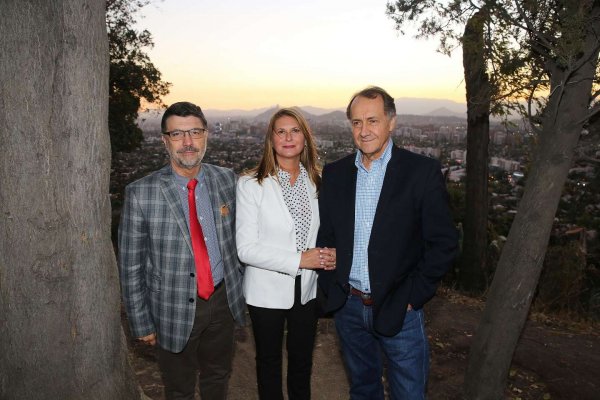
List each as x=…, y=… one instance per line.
x=191, y=300
x=192, y=274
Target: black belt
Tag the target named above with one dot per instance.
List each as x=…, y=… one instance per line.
x=366, y=298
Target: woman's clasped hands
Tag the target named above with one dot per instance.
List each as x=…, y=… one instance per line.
x=318, y=258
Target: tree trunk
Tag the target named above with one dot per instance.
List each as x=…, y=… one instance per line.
x=472, y=273
x=60, y=331
x=522, y=258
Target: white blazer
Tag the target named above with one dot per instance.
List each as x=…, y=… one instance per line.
x=266, y=243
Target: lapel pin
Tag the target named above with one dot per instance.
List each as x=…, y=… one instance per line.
x=224, y=210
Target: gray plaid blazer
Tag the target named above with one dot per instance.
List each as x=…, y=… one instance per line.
x=156, y=258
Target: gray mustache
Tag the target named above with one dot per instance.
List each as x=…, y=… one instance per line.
x=188, y=148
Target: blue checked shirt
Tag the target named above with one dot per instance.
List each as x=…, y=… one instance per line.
x=206, y=219
x=368, y=188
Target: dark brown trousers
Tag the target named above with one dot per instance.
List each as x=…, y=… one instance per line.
x=207, y=355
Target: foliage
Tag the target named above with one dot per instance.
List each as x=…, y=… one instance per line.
x=562, y=283
x=521, y=36
x=456, y=193
x=527, y=44
x=133, y=77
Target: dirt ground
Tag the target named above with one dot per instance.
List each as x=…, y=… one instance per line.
x=554, y=359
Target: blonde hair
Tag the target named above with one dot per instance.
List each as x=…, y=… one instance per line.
x=309, y=158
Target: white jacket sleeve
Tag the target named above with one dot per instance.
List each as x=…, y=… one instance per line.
x=262, y=242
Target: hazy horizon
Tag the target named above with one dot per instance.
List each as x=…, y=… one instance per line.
x=404, y=105
x=240, y=55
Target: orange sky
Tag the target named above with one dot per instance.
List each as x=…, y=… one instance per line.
x=238, y=54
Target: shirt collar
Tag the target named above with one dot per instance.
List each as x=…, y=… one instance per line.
x=285, y=176
x=183, y=181
x=380, y=163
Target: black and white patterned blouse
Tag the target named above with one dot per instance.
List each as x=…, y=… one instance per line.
x=298, y=203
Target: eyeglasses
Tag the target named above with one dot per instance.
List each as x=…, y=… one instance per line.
x=195, y=133
x=282, y=132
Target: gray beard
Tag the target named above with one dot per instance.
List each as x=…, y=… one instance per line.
x=189, y=165
x=184, y=164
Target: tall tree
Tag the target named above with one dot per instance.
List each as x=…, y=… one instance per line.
x=564, y=38
x=60, y=328
x=473, y=260
x=548, y=53
x=133, y=77
x=481, y=89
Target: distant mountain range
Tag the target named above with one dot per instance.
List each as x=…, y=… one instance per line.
x=404, y=105
x=431, y=107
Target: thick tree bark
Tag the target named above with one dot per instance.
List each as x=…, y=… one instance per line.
x=472, y=273
x=60, y=332
x=522, y=258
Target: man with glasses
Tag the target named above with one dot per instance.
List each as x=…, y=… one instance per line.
x=180, y=275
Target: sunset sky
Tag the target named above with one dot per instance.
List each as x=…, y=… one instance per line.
x=253, y=54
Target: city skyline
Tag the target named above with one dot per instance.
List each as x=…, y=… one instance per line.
x=238, y=55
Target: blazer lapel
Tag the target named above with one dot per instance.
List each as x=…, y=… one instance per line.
x=394, y=174
x=278, y=194
x=350, y=197
x=216, y=201
x=345, y=200
x=343, y=203
x=314, y=208
x=169, y=190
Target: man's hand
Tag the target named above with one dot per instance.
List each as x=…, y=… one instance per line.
x=149, y=339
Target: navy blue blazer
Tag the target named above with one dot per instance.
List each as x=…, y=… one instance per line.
x=413, y=240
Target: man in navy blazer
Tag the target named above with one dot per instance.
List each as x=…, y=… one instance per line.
x=386, y=212
x=193, y=334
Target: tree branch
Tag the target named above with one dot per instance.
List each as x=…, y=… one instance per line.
x=544, y=44
x=593, y=111
x=594, y=33
x=529, y=114
x=589, y=159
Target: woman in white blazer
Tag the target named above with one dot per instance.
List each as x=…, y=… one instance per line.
x=277, y=219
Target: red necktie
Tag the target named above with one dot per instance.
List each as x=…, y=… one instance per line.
x=203, y=274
